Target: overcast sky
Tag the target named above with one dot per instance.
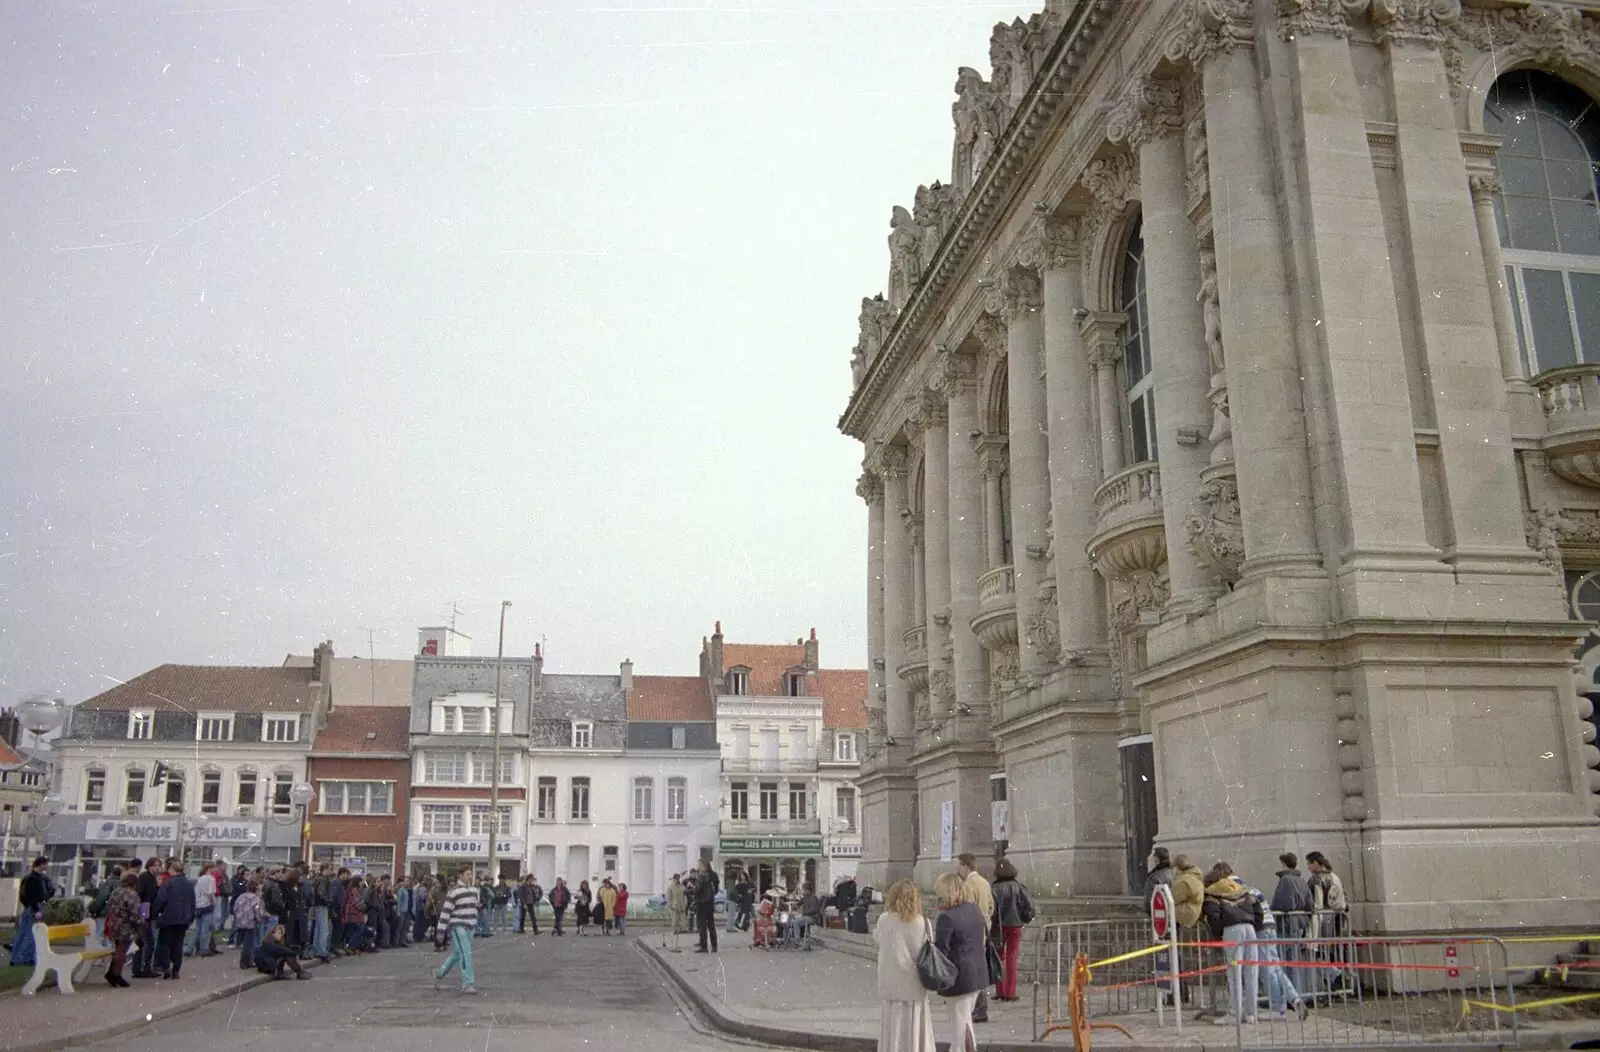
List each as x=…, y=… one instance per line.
x=319, y=317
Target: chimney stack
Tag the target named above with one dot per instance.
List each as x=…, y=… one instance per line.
x=717, y=667
x=627, y=675
x=322, y=661
x=813, y=654
x=10, y=728
x=538, y=664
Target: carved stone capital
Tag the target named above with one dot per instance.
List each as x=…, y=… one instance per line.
x=1414, y=21
x=1050, y=243
x=932, y=409
x=1208, y=28
x=892, y=462
x=1298, y=18
x=1101, y=332
x=953, y=374
x=991, y=451
x=1151, y=109
x=1485, y=185
x=990, y=332
x=1111, y=181
x=1020, y=293
x=869, y=487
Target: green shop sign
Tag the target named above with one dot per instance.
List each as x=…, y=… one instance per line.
x=765, y=845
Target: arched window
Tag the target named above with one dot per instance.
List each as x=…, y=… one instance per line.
x=1138, y=381
x=1548, y=215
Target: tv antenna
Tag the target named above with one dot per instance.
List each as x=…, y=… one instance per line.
x=372, y=668
x=455, y=612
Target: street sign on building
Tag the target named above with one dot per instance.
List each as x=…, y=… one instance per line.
x=775, y=845
x=355, y=864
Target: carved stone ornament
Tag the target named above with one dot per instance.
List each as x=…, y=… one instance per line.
x=990, y=332
x=1485, y=185
x=1143, y=593
x=953, y=374
x=1150, y=109
x=1020, y=293
x=877, y=322
x=935, y=212
x=1210, y=299
x=877, y=723
x=892, y=462
x=1413, y=21
x=1216, y=532
x=1196, y=152
x=1005, y=667
x=869, y=487
x=1012, y=72
x=980, y=115
x=1043, y=634
x=905, y=256
x=1298, y=18
x=1049, y=243
x=1548, y=36
x=1550, y=529
x=1112, y=181
x=1208, y=28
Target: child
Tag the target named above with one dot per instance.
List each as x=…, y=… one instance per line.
x=248, y=913
x=272, y=956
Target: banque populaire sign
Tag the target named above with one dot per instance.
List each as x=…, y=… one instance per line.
x=131, y=830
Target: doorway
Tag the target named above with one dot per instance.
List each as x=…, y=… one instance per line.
x=1138, y=805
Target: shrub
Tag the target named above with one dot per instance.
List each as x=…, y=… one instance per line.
x=64, y=911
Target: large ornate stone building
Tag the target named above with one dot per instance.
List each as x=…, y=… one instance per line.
x=1230, y=463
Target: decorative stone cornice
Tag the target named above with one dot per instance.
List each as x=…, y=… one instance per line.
x=869, y=487
x=1112, y=181
x=1413, y=21
x=1299, y=18
x=1050, y=243
x=1209, y=28
x=1484, y=185
x=1549, y=36
x=1151, y=109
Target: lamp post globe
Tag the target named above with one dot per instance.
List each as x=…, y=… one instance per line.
x=41, y=712
x=300, y=794
x=52, y=804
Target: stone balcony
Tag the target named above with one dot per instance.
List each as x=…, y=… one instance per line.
x=1129, y=536
x=915, y=668
x=1570, y=398
x=996, y=623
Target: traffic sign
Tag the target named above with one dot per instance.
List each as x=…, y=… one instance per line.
x=1450, y=960
x=1161, y=911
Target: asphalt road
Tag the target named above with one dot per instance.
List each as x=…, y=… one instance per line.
x=549, y=994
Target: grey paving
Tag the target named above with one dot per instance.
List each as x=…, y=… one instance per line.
x=550, y=994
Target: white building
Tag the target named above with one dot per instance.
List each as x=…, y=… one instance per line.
x=192, y=759
x=789, y=734
x=23, y=784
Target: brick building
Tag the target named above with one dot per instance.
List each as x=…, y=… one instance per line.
x=360, y=769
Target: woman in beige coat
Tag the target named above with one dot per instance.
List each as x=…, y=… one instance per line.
x=904, y=1021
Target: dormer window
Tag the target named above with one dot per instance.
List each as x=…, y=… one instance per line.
x=583, y=735
x=214, y=727
x=844, y=747
x=739, y=682
x=794, y=684
x=140, y=725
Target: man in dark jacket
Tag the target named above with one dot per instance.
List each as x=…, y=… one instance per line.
x=1291, y=899
x=36, y=890
x=744, y=894
x=336, y=893
x=149, y=884
x=529, y=905
x=1160, y=873
x=171, y=914
x=705, y=904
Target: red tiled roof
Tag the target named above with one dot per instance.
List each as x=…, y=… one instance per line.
x=219, y=688
x=844, y=697
x=8, y=755
x=664, y=698
x=767, y=664
x=349, y=726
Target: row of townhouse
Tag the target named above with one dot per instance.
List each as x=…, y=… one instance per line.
x=390, y=766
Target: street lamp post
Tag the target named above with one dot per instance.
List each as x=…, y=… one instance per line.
x=494, y=775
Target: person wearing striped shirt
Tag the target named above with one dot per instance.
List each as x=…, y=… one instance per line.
x=460, y=915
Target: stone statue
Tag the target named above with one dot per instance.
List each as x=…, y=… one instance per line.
x=1012, y=72
x=934, y=211
x=1544, y=535
x=905, y=256
x=1209, y=300
x=877, y=322
x=965, y=110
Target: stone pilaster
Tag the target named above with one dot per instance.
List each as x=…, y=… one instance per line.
x=1485, y=186
x=957, y=382
x=936, y=540
x=897, y=591
x=1101, y=334
x=1019, y=301
x=870, y=489
x=1150, y=119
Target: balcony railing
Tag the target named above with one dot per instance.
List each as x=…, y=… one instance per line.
x=771, y=827
x=1129, y=532
x=998, y=587
x=914, y=670
x=764, y=766
x=1571, y=401
x=996, y=623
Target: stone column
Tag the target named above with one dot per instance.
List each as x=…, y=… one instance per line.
x=1074, y=475
x=870, y=489
x=1266, y=409
x=1485, y=185
x=1101, y=333
x=994, y=532
x=919, y=575
x=1019, y=300
x=1151, y=120
x=957, y=382
x=897, y=593
x=936, y=541
x=1466, y=370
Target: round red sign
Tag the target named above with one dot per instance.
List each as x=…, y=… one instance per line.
x=1160, y=911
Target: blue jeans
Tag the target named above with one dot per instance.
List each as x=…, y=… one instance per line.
x=460, y=955
x=198, y=941
x=1243, y=984
x=319, y=931
x=622, y=925
x=22, y=951
x=249, y=939
x=1280, y=989
x=483, y=920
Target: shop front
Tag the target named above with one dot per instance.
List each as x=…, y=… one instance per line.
x=83, y=848
x=449, y=854
x=771, y=861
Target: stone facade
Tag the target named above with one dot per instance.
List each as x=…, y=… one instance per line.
x=1226, y=430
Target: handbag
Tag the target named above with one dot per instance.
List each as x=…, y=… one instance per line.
x=991, y=957
x=935, y=971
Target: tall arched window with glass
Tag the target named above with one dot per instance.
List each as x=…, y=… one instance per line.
x=1138, y=381
x=1549, y=215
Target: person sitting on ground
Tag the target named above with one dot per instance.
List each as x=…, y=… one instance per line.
x=273, y=956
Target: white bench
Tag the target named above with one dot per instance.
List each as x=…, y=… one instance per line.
x=68, y=964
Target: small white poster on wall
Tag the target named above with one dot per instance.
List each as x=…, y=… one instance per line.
x=947, y=830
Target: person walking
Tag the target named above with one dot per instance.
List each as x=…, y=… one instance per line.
x=1013, y=909
x=37, y=889
x=248, y=915
x=1281, y=993
x=731, y=913
x=532, y=895
x=560, y=899
x=981, y=896
x=677, y=909
x=705, y=905
x=905, y=1019
x=102, y=900
x=622, y=909
x=960, y=935
x=1235, y=917
x=419, y=908
x=121, y=923
x=172, y=913
x=460, y=916
x=608, y=906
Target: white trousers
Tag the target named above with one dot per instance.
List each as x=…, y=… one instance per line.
x=962, y=1037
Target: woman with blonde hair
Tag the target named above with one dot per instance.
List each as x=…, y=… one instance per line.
x=960, y=936
x=905, y=1024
